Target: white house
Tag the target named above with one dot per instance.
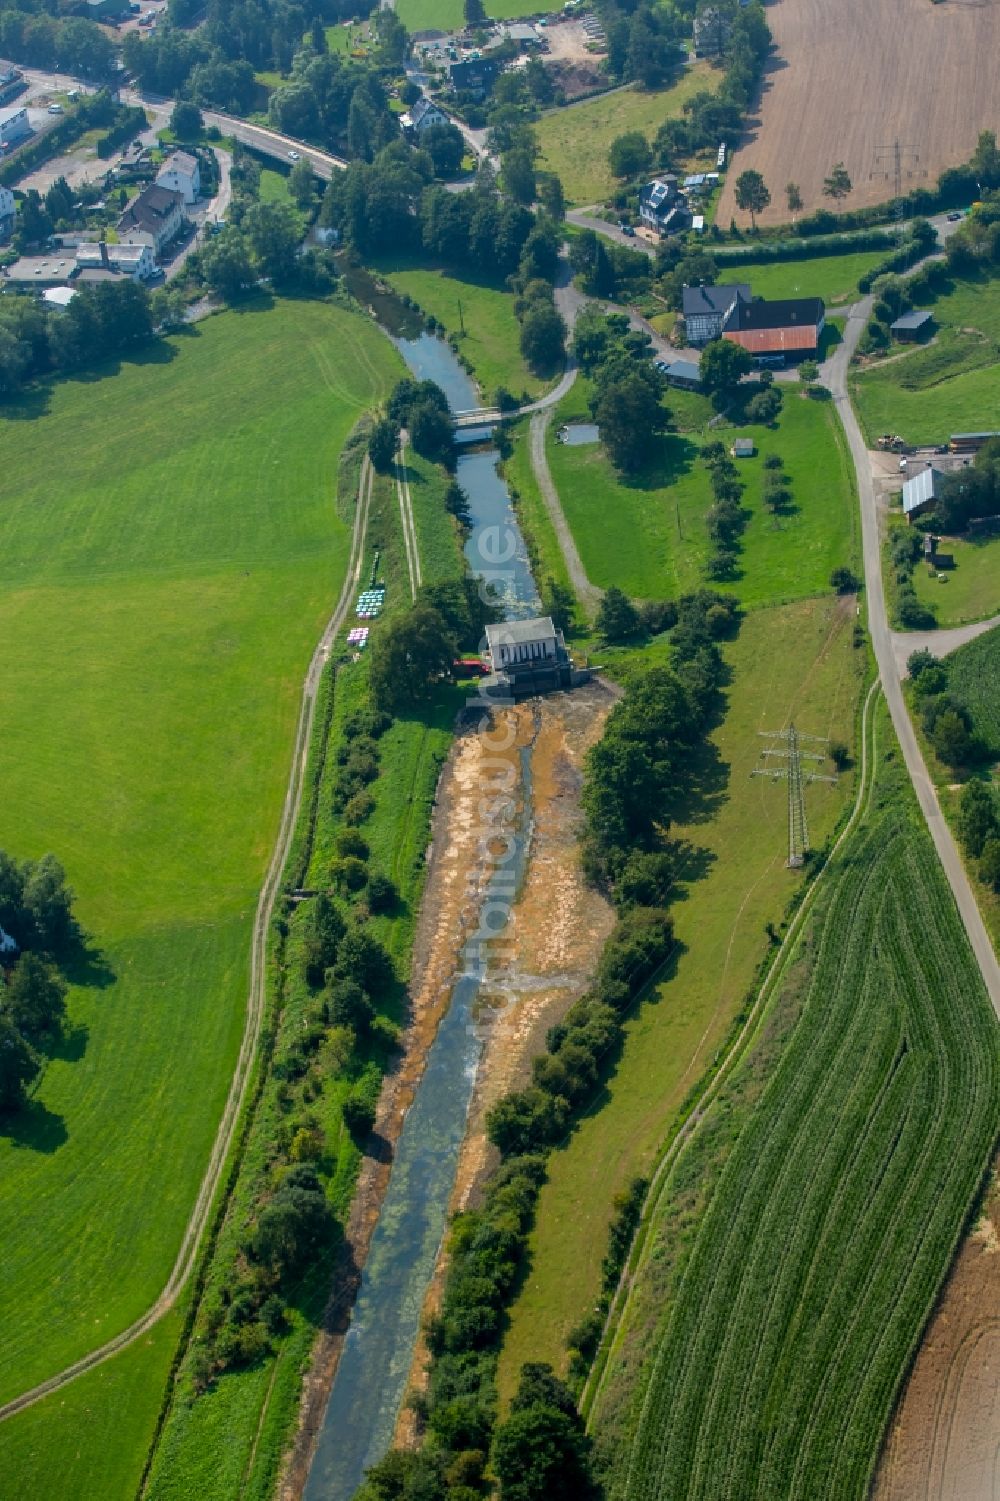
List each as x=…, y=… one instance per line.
x=6, y=212
x=180, y=173
x=422, y=116
x=14, y=126
x=136, y=261
x=154, y=218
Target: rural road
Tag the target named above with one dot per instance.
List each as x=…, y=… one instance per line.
x=938, y=643
x=187, y=1255
x=834, y=376
x=588, y=593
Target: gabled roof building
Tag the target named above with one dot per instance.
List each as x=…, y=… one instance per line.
x=787, y=326
x=706, y=309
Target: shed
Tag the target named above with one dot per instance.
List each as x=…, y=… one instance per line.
x=911, y=325
x=743, y=448
x=58, y=298
x=686, y=374
x=920, y=492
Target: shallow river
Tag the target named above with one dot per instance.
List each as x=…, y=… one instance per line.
x=371, y=1377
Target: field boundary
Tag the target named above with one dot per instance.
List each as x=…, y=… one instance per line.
x=638, y=1253
x=188, y=1253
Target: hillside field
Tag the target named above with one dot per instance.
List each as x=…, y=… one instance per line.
x=575, y=140
x=949, y=385
x=777, y=1309
x=792, y=662
x=840, y=89
x=162, y=584
x=832, y=277
x=648, y=535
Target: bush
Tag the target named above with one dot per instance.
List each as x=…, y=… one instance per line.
x=359, y=1114
x=844, y=581
x=383, y=894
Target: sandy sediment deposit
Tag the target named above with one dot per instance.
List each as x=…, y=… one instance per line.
x=557, y=929
x=536, y=969
x=943, y=1442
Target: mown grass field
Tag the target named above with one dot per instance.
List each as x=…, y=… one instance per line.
x=832, y=277
x=490, y=342
x=970, y=590
x=159, y=600
x=947, y=386
x=274, y=187
x=448, y=15
x=648, y=534
x=575, y=140
x=795, y=661
x=802, y=1287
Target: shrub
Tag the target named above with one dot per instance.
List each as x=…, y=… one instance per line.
x=383, y=895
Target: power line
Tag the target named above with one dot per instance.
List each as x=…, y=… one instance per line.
x=796, y=777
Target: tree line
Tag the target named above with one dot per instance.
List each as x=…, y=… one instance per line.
x=36, y=930
x=539, y=1450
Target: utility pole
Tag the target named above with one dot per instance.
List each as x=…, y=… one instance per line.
x=790, y=750
x=889, y=163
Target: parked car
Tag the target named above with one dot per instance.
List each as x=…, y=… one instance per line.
x=662, y=365
x=954, y=215
x=627, y=229
x=55, y=109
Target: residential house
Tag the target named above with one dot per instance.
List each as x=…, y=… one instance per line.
x=12, y=83
x=154, y=218
x=180, y=173
x=422, y=115
x=105, y=10
x=14, y=127
x=7, y=213
x=661, y=207
x=136, y=260
x=921, y=492
x=705, y=309
x=790, y=326
x=473, y=75
x=912, y=325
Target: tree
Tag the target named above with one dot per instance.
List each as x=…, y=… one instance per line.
x=382, y=441
x=808, y=371
x=723, y=366
x=446, y=148
x=226, y=265
x=559, y=601
x=989, y=867
x=845, y=581
x=294, y=1224
x=518, y=173
x=301, y=185
x=617, y=617
x=324, y=930
x=550, y=195
x=274, y=234
x=186, y=121
x=838, y=184
x=48, y=904
x=431, y=432
x=950, y=738
x=977, y=817
x=794, y=197
x=19, y=1066
x=985, y=162
x=35, y=999
x=409, y=656
x=629, y=416
x=630, y=155
x=765, y=406
x=475, y=13
x=541, y=1452
x=752, y=195
x=543, y=338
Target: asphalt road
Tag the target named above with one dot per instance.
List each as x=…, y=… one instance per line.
x=834, y=376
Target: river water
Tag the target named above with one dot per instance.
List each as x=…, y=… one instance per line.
x=370, y=1382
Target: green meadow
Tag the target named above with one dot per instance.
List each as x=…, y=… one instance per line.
x=950, y=384
x=647, y=533
x=164, y=574
x=832, y=277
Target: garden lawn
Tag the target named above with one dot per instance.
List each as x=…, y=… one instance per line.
x=274, y=187
x=648, y=535
x=575, y=139
x=792, y=662
x=491, y=341
x=949, y=385
x=162, y=584
x=970, y=590
x=832, y=277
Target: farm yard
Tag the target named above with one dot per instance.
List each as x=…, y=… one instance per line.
x=159, y=608
x=968, y=591
x=773, y=1320
x=951, y=384
x=790, y=662
x=848, y=82
x=575, y=140
x=648, y=534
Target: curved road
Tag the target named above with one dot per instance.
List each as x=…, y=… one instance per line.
x=834, y=376
x=186, y=1256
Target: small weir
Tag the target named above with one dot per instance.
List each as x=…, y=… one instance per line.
x=370, y=1382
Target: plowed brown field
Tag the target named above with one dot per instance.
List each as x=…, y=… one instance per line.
x=850, y=78
x=943, y=1444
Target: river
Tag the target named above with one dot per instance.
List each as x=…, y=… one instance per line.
x=370, y=1381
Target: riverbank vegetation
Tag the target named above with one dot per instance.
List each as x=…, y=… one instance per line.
x=177, y=623
x=867, y=1132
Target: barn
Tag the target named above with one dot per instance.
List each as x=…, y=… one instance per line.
x=790, y=326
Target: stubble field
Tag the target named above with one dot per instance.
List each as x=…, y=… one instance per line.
x=849, y=81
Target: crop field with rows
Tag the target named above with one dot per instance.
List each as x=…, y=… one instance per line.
x=974, y=679
x=802, y=1289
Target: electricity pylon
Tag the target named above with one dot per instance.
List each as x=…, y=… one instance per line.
x=798, y=827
